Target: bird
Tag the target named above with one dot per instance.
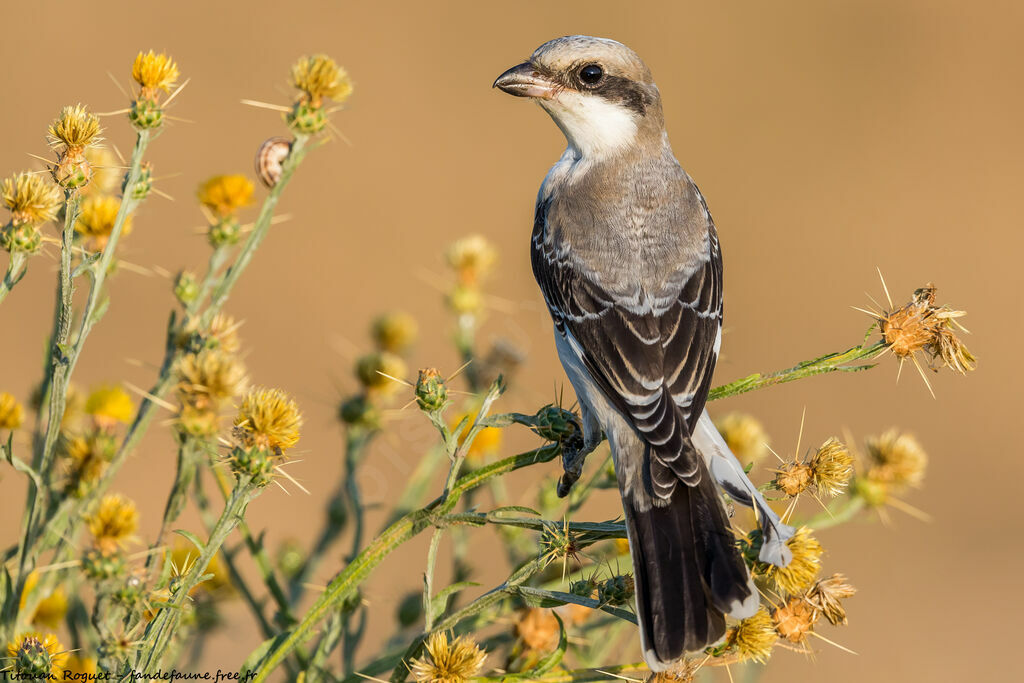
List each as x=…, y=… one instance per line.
x=629, y=263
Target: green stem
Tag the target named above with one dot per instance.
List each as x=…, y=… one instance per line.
x=841, y=511
x=605, y=673
x=428, y=580
x=16, y=270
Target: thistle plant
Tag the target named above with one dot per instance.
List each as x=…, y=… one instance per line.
x=82, y=591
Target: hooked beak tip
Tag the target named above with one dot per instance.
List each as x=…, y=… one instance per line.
x=523, y=80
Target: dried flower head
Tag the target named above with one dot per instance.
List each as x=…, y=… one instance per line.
x=97, y=218
x=268, y=419
x=209, y=378
x=394, y=332
x=745, y=436
x=831, y=467
x=31, y=198
x=754, y=637
x=108, y=405
x=448, y=662
x=36, y=656
x=803, y=568
x=898, y=459
x=826, y=596
x=538, y=629
x=223, y=195
x=794, y=619
x=153, y=72
x=75, y=128
x=319, y=77
x=378, y=372
x=472, y=258
x=793, y=478
x=11, y=412
x=113, y=522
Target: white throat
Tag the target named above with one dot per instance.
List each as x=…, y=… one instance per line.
x=594, y=127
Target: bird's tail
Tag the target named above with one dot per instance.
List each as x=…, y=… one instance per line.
x=687, y=569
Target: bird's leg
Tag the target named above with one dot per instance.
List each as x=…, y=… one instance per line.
x=576, y=449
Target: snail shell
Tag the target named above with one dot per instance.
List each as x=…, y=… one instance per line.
x=270, y=158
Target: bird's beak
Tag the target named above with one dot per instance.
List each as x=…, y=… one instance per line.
x=525, y=81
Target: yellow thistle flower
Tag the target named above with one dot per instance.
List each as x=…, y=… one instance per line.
x=80, y=665
x=444, y=662
x=113, y=522
x=31, y=198
x=486, y=442
x=268, y=419
x=11, y=412
x=319, y=77
x=804, y=567
x=394, y=332
x=108, y=405
x=225, y=194
x=75, y=128
x=209, y=377
x=745, y=436
x=106, y=172
x=223, y=330
x=36, y=655
x=87, y=458
x=51, y=610
x=826, y=596
x=97, y=217
x=154, y=72
x=378, y=371
x=754, y=637
x=794, y=619
x=219, y=581
x=472, y=258
x=831, y=467
x=899, y=460
x=538, y=629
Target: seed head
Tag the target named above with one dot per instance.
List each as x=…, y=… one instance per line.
x=224, y=195
x=804, y=567
x=745, y=436
x=75, y=128
x=11, y=412
x=793, y=479
x=113, y=522
x=31, y=198
x=794, y=619
x=108, y=405
x=444, y=662
x=831, y=467
x=319, y=77
x=826, y=596
x=472, y=258
x=36, y=656
x=898, y=459
x=394, y=332
x=268, y=419
x=97, y=218
x=754, y=637
x=153, y=72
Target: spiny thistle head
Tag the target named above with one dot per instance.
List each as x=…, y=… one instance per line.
x=360, y=411
x=210, y=377
x=456, y=661
x=36, y=656
x=154, y=71
x=108, y=405
x=221, y=333
x=472, y=258
x=268, y=419
x=792, y=478
x=831, y=467
x=754, y=637
x=555, y=423
x=319, y=77
x=618, y=590
x=804, y=567
x=75, y=128
x=87, y=458
x=826, y=596
x=378, y=372
x=794, y=619
x=113, y=522
x=897, y=459
x=431, y=391
x=745, y=436
x=31, y=198
x=394, y=332
x=186, y=287
x=11, y=412
x=224, y=195
x=97, y=218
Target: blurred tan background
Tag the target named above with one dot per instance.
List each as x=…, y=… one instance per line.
x=830, y=138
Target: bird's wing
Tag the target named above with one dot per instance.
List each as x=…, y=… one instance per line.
x=651, y=354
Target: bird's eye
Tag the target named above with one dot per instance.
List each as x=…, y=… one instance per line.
x=591, y=74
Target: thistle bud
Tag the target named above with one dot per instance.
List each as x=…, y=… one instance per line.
x=431, y=392
x=101, y=566
x=617, y=590
x=186, y=287
x=224, y=232
x=305, y=119
x=359, y=411
x=146, y=114
x=554, y=423
x=140, y=190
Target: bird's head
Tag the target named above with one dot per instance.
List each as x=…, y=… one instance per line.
x=598, y=91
